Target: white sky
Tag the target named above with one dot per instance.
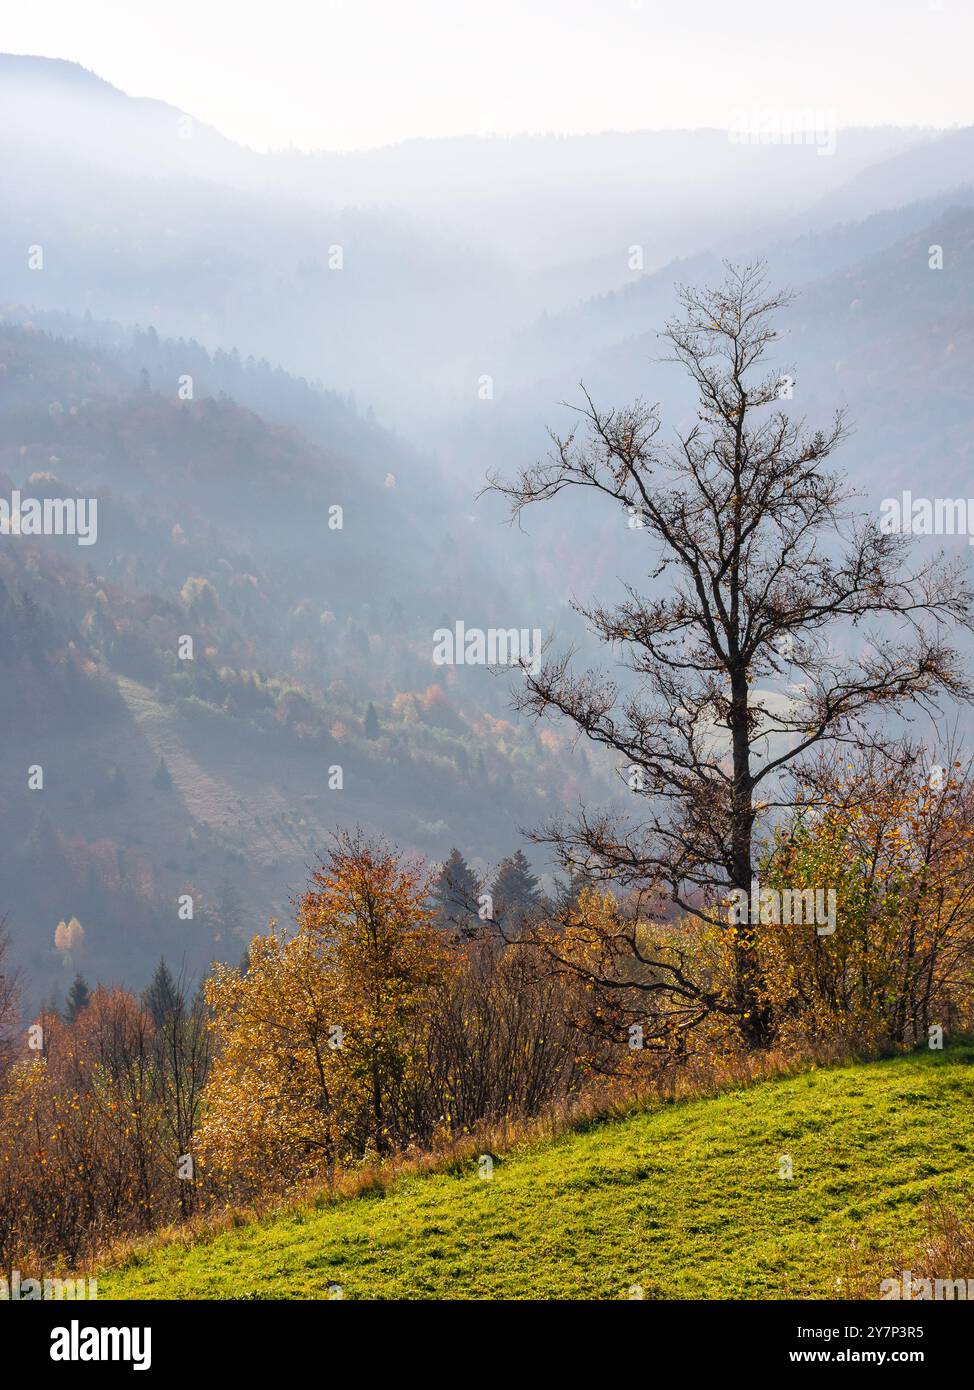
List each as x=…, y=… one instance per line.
x=349, y=74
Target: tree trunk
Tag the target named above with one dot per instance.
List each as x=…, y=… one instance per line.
x=754, y=1016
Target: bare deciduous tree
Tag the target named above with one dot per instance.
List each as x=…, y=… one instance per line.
x=763, y=563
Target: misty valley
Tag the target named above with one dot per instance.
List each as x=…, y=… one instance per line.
x=487, y=636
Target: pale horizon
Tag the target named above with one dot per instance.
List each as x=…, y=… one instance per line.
x=337, y=77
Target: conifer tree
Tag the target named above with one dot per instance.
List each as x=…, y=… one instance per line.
x=79, y=997
x=161, y=998
x=515, y=887
x=455, y=893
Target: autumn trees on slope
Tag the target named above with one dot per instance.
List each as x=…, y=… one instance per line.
x=368, y=1028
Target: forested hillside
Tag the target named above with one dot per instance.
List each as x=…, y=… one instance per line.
x=310, y=592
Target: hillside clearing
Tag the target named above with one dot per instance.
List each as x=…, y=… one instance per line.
x=684, y=1201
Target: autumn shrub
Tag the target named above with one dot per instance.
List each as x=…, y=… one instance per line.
x=321, y=1039
x=894, y=841
x=94, y=1121
x=507, y=1040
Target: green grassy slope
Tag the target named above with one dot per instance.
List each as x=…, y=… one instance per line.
x=685, y=1201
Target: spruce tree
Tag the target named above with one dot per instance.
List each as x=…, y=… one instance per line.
x=161, y=998
x=79, y=997
x=515, y=888
x=455, y=894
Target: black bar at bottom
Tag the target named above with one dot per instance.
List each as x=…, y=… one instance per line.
x=720, y=1336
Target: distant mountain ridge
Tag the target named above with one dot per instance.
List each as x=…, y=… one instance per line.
x=400, y=273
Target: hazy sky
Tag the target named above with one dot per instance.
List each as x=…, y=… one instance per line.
x=343, y=74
